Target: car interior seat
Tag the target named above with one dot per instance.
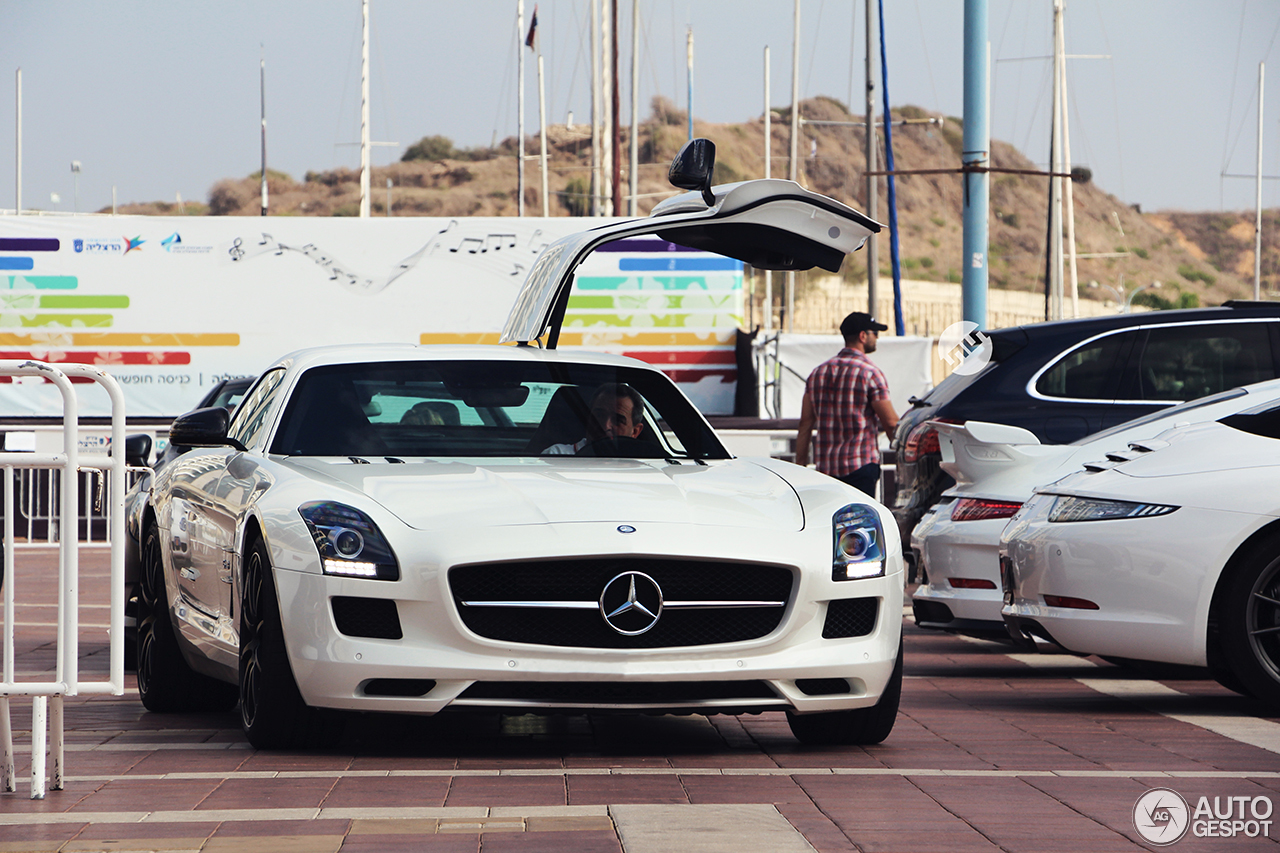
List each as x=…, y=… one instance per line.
x=564, y=421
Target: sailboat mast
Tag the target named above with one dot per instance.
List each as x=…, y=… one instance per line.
x=1055, y=184
x=364, y=110
x=520, y=109
x=633, y=175
x=873, y=248
x=1257, y=221
x=595, y=107
x=1060, y=66
x=262, y=97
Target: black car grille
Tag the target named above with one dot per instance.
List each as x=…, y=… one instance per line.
x=580, y=693
x=583, y=581
x=850, y=617
x=367, y=617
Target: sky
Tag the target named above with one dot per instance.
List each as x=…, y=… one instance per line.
x=161, y=99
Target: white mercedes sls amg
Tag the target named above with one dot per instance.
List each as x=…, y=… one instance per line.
x=415, y=529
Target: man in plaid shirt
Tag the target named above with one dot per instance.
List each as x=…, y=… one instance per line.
x=847, y=399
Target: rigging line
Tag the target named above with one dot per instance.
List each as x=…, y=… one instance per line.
x=388, y=112
x=342, y=102
x=505, y=91
x=1231, y=100
x=1017, y=95
x=1244, y=120
x=995, y=81
x=924, y=51
x=1115, y=93
x=577, y=60
x=647, y=52
x=1272, y=43
x=1046, y=82
x=813, y=52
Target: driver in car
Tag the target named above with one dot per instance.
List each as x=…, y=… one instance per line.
x=617, y=411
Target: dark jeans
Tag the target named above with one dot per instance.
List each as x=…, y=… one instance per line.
x=864, y=478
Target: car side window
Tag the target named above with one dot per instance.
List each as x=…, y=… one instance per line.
x=1186, y=362
x=1086, y=373
x=249, y=424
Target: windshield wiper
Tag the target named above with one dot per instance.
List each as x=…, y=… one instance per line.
x=916, y=402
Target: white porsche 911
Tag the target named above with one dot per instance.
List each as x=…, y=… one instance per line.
x=997, y=467
x=1168, y=552
x=410, y=529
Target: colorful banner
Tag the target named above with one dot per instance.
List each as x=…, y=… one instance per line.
x=171, y=305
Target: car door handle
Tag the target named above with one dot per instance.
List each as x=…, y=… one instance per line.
x=188, y=574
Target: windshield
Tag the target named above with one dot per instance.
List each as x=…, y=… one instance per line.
x=1161, y=414
x=491, y=408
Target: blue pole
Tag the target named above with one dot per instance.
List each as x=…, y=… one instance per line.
x=977, y=146
x=899, y=325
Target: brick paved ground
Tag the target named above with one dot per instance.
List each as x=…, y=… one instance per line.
x=992, y=752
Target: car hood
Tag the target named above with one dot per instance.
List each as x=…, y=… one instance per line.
x=449, y=494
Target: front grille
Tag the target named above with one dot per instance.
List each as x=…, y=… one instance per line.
x=584, y=580
x=367, y=617
x=586, y=693
x=850, y=617
x=406, y=687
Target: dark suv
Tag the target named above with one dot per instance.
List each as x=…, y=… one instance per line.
x=1067, y=379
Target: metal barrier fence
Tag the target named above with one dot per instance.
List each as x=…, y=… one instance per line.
x=64, y=471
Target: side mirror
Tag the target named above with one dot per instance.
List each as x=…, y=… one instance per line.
x=693, y=167
x=137, y=450
x=201, y=428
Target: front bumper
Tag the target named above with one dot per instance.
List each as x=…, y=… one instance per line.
x=446, y=666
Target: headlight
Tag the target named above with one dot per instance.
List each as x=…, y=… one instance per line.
x=858, y=543
x=350, y=544
x=1070, y=508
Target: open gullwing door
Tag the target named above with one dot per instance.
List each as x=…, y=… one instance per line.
x=769, y=224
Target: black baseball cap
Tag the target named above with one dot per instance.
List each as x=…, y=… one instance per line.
x=860, y=322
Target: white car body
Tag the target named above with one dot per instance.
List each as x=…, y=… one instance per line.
x=464, y=532
x=1169, y=552
x=959, y=559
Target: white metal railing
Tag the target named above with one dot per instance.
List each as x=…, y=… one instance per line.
x=46, y=717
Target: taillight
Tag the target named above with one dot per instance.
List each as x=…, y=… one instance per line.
x=980, y=509
x=971, y=583
x=1070, y=602
x=923, y=440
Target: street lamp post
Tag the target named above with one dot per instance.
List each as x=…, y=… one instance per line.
x=1128, y=303
x=75, y=176
x=1118, y=294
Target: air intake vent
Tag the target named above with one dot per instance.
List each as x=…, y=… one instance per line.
x=376, y=618
x=850, y=617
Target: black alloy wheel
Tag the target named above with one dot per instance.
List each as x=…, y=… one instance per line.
x=860, y=726
x=165, y=682
x=272, y=711
x=1250, y=622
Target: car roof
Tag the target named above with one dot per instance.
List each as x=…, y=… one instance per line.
x=381, y=352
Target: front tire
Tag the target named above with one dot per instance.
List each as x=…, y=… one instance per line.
x=1250, y=622
x=165, y=682
x=861, y=726
x=272, y=711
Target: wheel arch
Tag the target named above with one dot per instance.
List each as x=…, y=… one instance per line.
x=1213, y=648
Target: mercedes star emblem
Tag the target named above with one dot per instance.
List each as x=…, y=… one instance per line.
x=631, y=603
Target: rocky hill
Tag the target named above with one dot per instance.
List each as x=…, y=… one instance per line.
x=1200, y=258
